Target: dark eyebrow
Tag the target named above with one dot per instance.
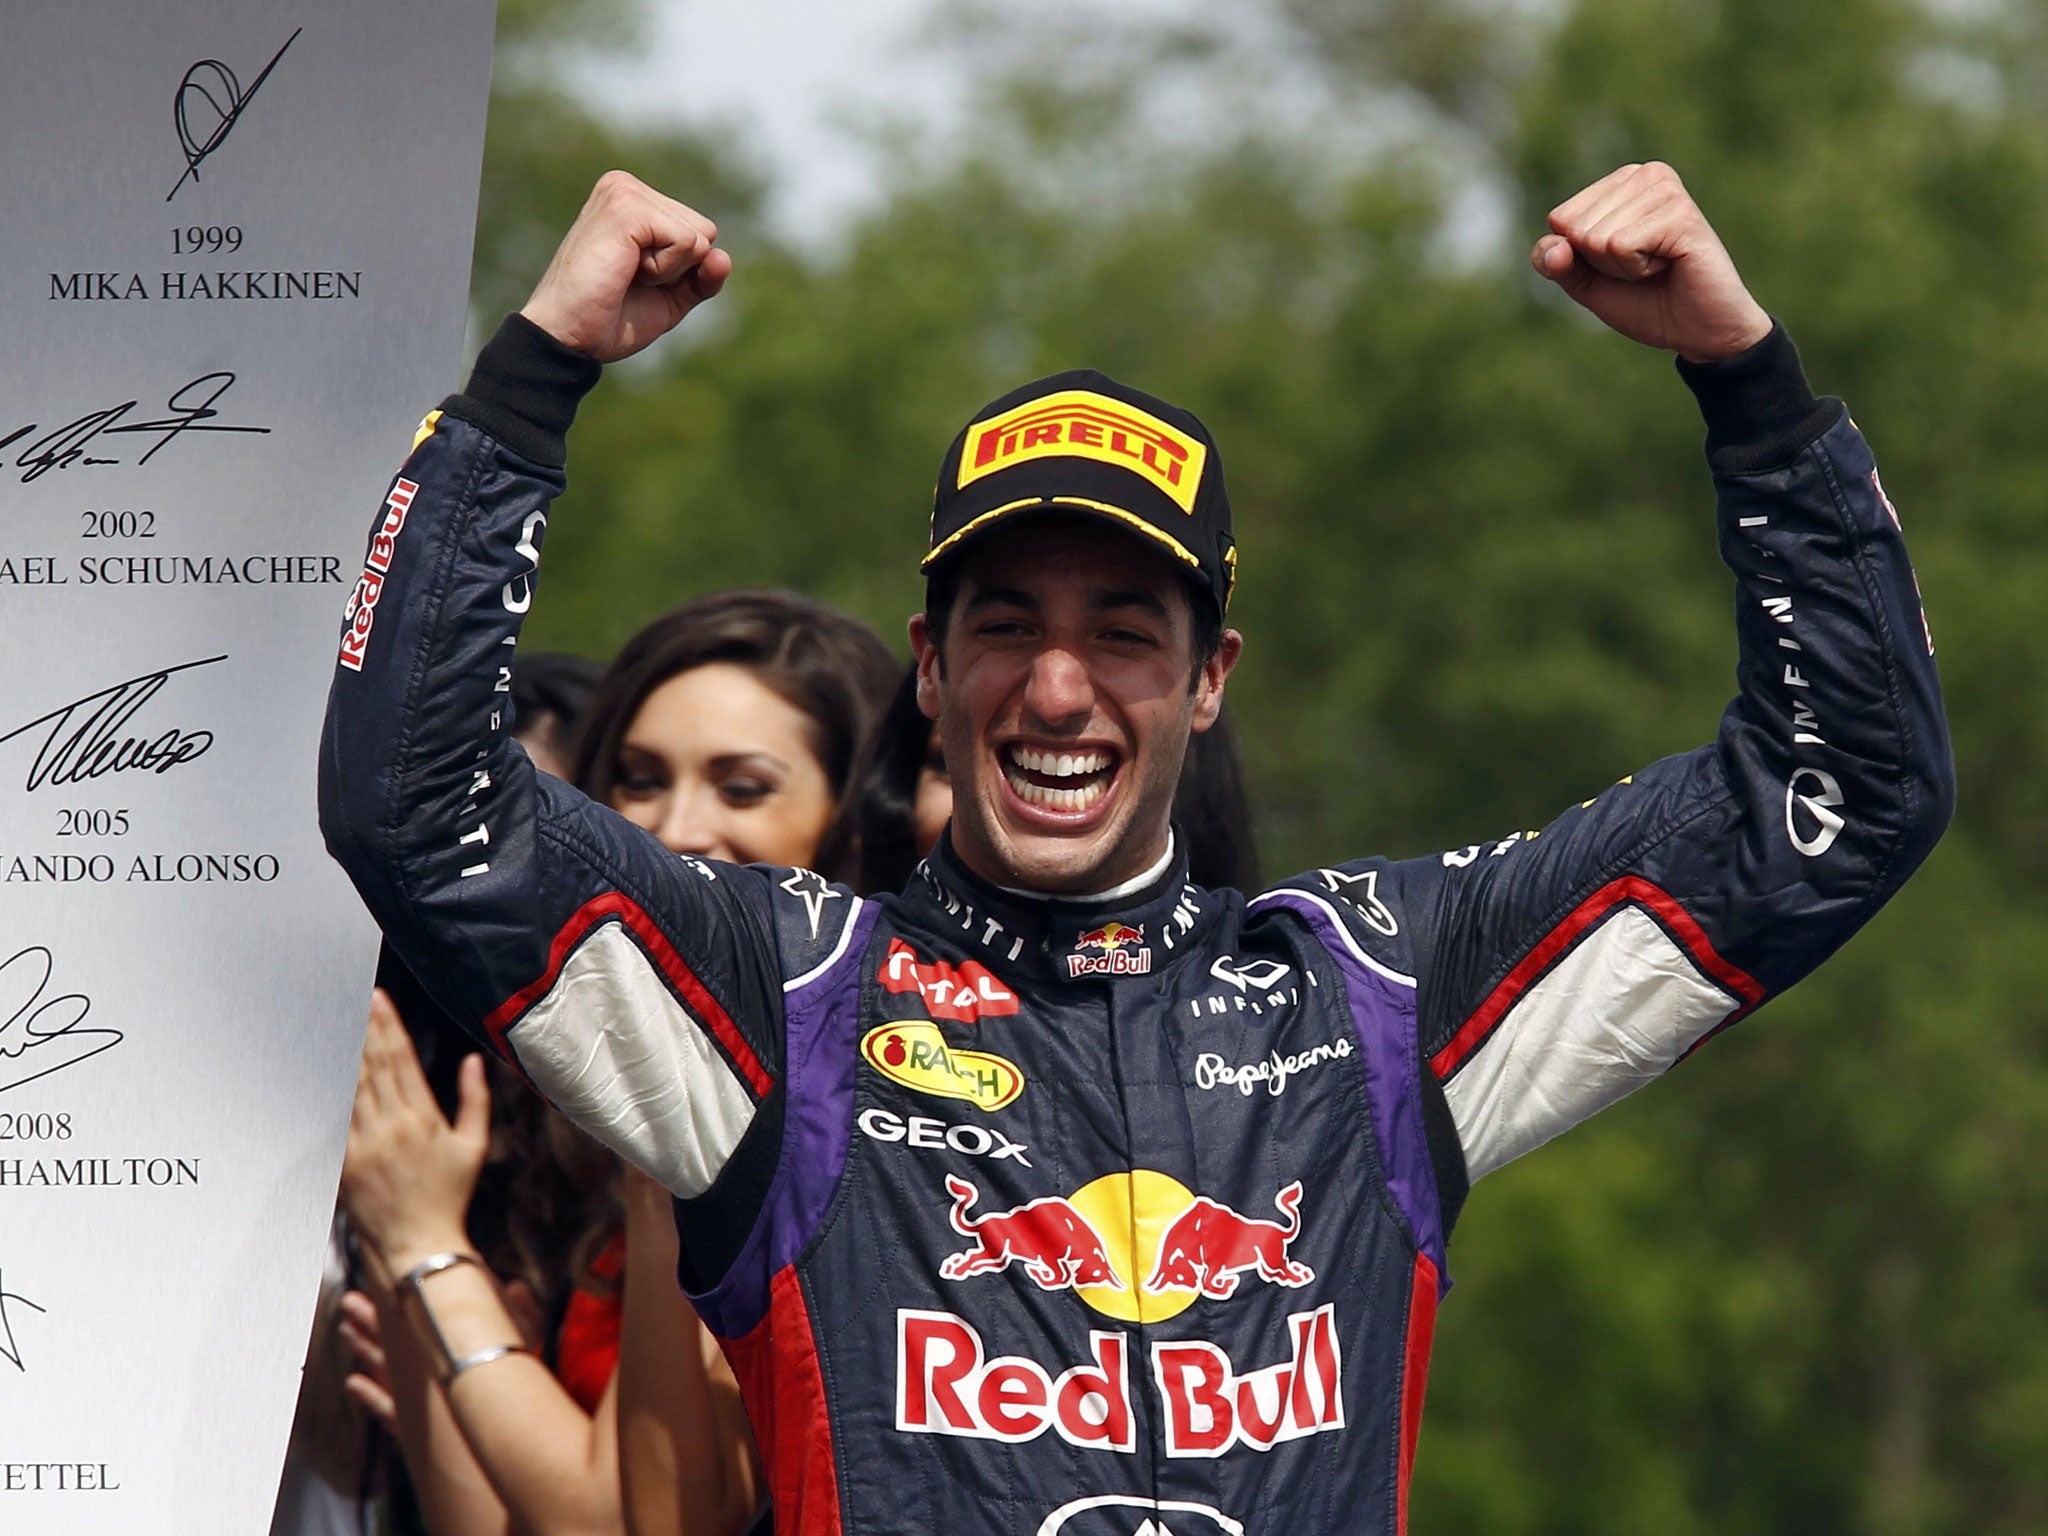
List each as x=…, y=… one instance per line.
x=1001, y=597
x=1137, y=597
x=1109, y=601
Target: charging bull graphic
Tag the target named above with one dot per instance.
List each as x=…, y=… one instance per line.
x=1049, y=1237
x=1100, y=1240
x=1209, y=1245
x=1110, y=937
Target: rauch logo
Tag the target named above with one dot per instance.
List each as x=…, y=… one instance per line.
x=913, y=1052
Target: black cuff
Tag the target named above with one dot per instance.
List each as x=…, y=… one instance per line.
x=1760, y=411
x=525, y=389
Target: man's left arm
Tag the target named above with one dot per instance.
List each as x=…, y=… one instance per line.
x=1559, y=970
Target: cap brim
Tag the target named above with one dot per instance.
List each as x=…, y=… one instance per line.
x=1124, y=519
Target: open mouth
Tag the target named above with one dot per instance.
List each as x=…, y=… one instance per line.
x=1065, y=782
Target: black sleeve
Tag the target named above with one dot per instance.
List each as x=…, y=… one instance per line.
x=1557, y=970
x=640, y=991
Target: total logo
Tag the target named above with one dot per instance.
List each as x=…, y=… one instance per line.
x=1137, y=1246
x=913, y=1052
x=963, y=993
x=946, y=1384
x=1117, y=949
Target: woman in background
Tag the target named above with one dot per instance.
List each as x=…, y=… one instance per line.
x=731, y=728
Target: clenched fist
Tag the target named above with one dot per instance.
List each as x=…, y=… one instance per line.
x=1635, y=249
x=631, y=266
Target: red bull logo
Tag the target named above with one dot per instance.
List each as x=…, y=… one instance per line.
x=1048, y=1238
x=1080, y=424
x=1118, y=950
x=1210, y=1407
x=946, y=1384
x=1137, y=1246
x=361, y=611
x=1209, y=1245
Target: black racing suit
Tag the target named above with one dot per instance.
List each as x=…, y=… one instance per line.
x=1041, y=1216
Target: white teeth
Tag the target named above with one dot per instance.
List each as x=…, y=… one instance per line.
x=1070, y=800
x=1059, y=765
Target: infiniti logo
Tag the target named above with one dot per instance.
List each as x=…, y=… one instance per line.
x=1818, y=792
x=1139, y=1516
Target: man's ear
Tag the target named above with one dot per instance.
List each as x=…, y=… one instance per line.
x=931, y=669
x=1215, y=672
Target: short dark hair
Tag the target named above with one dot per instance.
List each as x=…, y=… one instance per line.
x=832, y=667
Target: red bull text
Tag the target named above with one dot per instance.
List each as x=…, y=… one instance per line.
x=1118, y=951
x=361, y=611
x=946, y=1384
x=1210, y=1407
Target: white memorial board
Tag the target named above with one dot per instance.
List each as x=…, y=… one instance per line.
x=233, y=266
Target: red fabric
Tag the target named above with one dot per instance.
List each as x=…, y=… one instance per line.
x=1415, y=1376
x=1628, y=889
x=777, y=1368
x=587, y=1348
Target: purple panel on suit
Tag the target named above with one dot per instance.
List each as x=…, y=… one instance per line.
x=821, y=1028
x=1383, y=1013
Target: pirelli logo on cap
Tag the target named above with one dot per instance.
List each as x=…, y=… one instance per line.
x=1080, y=424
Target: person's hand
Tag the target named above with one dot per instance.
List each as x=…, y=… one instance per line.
x=370, y=1382
x=632, y=265
x=1635, y=249
x=408, y=1176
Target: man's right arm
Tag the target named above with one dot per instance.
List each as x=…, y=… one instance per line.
x=640, y=993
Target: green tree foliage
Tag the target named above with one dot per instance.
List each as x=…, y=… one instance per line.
x=1801, y=1287
x=543, y=147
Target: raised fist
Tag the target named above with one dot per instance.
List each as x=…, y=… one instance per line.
x=631, y=266
x=1635, y=249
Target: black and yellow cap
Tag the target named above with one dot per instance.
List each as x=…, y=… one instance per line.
x=1081, y=442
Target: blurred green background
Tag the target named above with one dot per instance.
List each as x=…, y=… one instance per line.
x=1804, y=1286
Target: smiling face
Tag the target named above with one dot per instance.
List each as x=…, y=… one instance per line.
x=718, y=764
x=1064, y=703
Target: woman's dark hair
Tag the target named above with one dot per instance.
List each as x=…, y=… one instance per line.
x=888, y=798
x=549, y=1193
x=1211, y=814
x=551, y=689
x=832, y=667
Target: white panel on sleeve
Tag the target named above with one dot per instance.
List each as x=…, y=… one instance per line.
x=617, y=1053
x=1617, y=1011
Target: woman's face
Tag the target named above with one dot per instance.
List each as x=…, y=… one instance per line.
x=718, y=764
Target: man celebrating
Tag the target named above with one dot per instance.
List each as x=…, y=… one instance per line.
x=1056, y=1195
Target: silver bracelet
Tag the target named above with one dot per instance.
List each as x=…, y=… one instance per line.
x=438, y=1263
x=434, y=1264
x=481, y=1357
